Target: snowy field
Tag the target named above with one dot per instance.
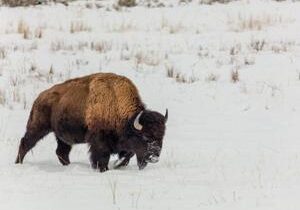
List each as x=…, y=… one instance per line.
x=228, y=73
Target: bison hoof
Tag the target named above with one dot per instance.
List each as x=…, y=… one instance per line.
x=100, y=168
x=142, y=165
x=103, y=169
x=64, y=161
x=121, y=163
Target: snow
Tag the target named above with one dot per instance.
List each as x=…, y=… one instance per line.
x=229, y=145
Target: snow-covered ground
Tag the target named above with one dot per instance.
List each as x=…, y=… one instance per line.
x=228, y=73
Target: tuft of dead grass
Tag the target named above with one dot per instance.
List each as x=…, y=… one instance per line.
x=3, y=53
x=101, y=46
x=235, y=76
x=254, y=22
x=212, y=77
x=38, y=33
x=179, y=77
x=258, y=45
x=78, y=26
x=127, y=3
x=23, y=29
x=2, y=98
x=17, y=3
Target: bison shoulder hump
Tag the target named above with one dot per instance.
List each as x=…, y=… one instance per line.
x=112, y=100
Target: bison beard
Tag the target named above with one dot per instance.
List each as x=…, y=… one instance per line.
x=103, y=110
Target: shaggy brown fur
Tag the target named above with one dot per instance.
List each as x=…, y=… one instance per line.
x=112, y=100
x=94, y=109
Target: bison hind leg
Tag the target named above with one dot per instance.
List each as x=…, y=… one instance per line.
x=63, y=150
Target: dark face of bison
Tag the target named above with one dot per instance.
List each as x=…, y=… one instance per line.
x=145, y=136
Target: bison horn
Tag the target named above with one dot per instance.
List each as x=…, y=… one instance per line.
x=136, y=123
x=166, y=115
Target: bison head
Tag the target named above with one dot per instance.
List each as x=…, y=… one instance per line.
x=145, y=133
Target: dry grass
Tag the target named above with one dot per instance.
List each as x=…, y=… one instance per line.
x=171, y=27
x=58, y=45
x=26, y=34
x=93, y=5
x=33, y=67
x=254, y=22
x=124, y=25
x=38, y=33
x=50, y=75
x=2, y=98
x=213, y=1
x=16, y=95
x=149, y=58
x=16, y=3
x=236, y=49
x=101, y=47
x=3, y=53
x=179, y=77
x=212, y=77
x=127, y=3
x=258, y=45
x=282, y=46
x=79, y=26
x=249, y=60
x=235, y=76
x=24, y=29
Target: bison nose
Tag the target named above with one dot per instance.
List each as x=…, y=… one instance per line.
x=153, y=159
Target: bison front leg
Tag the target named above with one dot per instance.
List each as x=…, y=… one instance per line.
x=99, y=159
x=99, y=152
x=124, y=158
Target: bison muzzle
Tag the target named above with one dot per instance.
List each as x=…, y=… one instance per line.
x=103, y=110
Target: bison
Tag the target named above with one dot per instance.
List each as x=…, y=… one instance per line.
x=104, y=110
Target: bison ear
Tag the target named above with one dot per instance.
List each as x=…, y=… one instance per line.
x=136, y=124
x=166, y=116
